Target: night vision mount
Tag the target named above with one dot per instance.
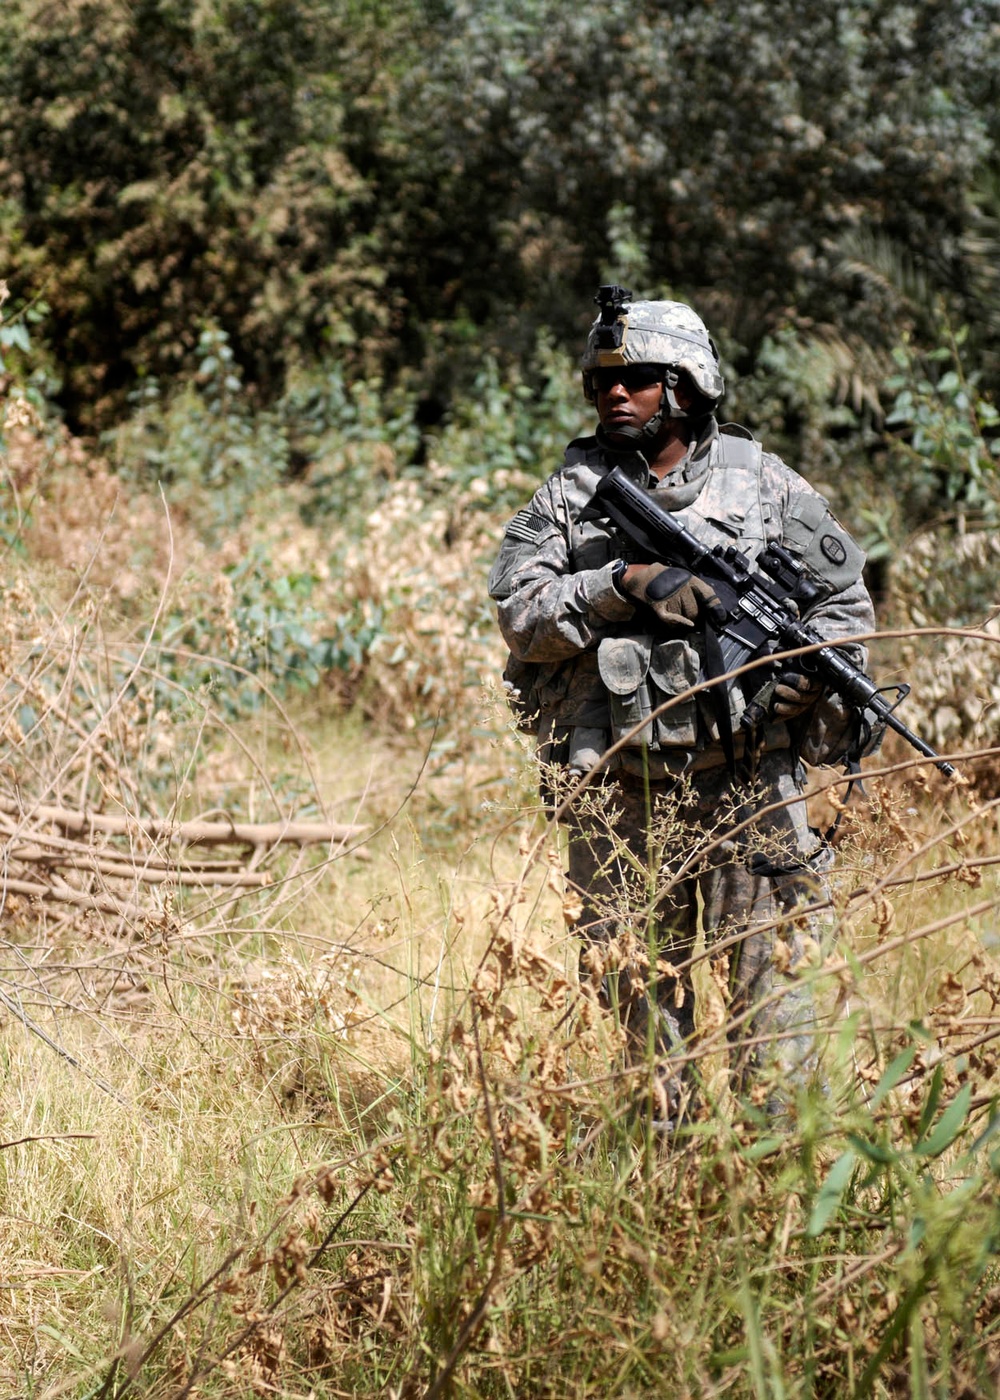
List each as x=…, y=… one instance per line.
x=612, y=300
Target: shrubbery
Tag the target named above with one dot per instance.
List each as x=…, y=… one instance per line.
x=408, y=188
x=350, y=1120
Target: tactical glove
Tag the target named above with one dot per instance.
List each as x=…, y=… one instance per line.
x=794, y=693
x=678, y=598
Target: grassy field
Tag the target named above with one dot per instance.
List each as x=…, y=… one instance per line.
x=338, y=1119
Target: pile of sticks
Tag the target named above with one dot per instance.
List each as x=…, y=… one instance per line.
x=100, y=861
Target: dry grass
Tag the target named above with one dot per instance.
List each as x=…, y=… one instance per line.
x=359, y=1130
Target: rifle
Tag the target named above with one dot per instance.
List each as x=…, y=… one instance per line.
x=762, y=606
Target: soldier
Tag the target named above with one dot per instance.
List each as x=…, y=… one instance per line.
x=665, y=838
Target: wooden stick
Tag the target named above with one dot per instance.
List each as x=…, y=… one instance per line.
x=148, y=875
x=65, y=894
x=47, y=847
x=50, y=1137
x=195, y=833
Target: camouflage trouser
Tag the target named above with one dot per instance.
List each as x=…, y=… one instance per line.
x=654, y=862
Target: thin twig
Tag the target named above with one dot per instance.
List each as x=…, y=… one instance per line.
x=36, y=1029
x=50, y=1137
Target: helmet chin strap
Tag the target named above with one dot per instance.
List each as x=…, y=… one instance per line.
x=670, y=396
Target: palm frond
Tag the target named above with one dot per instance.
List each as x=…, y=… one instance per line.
x=890, y=271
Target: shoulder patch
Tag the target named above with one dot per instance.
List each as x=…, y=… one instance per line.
x=821, y=542
x=833, y=549
x=527, y=526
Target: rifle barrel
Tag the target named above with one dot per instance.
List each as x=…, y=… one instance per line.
x=914, y=740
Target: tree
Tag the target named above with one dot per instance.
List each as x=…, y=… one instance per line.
x=409, y=187
x=169, y=164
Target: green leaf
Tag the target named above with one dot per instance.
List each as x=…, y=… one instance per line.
x=949, y=1125
x=874, y=1151
x=846, y=1037
x=933, y=1099
x=991, y=1129
x=892, y=1075
x=831, y=1193
x=15, y=334
x=763, y=1148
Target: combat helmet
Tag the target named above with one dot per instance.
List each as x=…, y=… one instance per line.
x=664, y=333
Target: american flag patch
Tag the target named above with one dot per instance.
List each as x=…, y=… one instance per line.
x=527, y=526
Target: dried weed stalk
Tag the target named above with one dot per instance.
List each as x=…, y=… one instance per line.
x=494, y=1219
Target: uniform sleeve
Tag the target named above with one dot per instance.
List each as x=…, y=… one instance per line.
x=546, y=610
x=812, y=533
x=849, y=613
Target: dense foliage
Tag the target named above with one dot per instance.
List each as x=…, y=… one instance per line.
x=403, y=187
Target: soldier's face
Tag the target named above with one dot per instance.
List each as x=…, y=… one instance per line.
x=627, y=397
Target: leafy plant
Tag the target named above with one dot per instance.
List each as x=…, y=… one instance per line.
x=942, y=454
x=506, y=433
x=411, y=188
x=205, y=443
x=360, y=1126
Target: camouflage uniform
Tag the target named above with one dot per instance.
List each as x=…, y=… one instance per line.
x=585, y=659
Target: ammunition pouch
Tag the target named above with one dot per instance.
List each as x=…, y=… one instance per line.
x=642, y=674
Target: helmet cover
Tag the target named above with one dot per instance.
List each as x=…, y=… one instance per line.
x=658, y=333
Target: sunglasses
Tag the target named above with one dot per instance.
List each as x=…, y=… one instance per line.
x=630, y=377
